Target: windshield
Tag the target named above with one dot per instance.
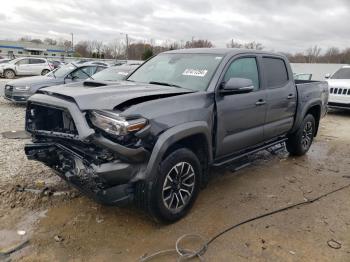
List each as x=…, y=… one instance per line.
x=191, y=71
x=343, y=73
x=62, y=71
x=112, y=74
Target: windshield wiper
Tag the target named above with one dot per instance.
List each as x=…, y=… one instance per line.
x=164, y=84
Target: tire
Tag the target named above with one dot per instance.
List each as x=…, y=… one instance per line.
x=44, y=72
x=172, y=195
x=299, y=142
x=9, y=74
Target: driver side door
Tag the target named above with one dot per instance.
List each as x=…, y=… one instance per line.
x=240, y=117
x=22, y=67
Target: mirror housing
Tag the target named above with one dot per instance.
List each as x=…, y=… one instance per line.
x=327, y=76
x=237, y=86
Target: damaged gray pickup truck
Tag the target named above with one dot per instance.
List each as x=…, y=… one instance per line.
x=152, y=138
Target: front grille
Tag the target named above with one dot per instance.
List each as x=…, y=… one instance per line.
x=51, y=121
x=340, y=91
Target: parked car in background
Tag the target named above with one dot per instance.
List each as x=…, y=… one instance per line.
x=25, y=66
x=302, y=76
x=56, y=63
x=114, y=73
x=339, y=88
x=152, y=138
x=20, y=90
x=97, y=63
x=4, y=61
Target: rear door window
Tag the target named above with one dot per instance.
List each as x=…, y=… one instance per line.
x=36, y=61
x=276, y=73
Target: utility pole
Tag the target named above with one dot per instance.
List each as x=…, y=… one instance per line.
x=72, y=43
x=127, y=46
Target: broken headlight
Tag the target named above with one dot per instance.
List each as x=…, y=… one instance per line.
x=115, y=124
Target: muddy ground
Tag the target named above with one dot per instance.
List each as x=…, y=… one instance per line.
x=62, y=225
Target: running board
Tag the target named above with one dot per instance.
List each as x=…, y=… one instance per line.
x=228, y=160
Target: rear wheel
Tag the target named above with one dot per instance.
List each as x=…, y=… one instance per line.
x=175, y=187
x=44, y=72
x=9, y=74
x=299, y=142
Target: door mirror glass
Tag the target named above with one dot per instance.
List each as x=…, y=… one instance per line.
x=237, y=86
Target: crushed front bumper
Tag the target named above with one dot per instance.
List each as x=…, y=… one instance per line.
x=108, y=183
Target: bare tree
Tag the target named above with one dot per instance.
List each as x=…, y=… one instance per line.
x=98, y=46
x=117, y=47
x=250, y=45
x=82, y=48
x=234, y=44
x=50, y=41
x=106, y=52
x=198, y=44
x=91, y=48
x=254, y=45
x=332, y=55
x=313, y=54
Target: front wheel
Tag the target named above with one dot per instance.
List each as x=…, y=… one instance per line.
x=299, y=142
x=9, y=74
x=175, y=187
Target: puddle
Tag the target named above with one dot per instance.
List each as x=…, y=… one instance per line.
x=22, y=232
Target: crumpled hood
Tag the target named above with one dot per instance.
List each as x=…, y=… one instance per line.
x=108, y=97
x=338, y=83
x=36, y=81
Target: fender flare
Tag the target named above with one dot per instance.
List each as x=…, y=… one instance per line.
x=302, y=113
x=171, y=136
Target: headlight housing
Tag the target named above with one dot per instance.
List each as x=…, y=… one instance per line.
x=115, y=124
x=22, y=88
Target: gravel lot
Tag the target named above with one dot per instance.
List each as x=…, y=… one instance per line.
x=63, y=225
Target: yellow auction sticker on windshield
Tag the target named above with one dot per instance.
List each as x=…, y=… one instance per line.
x=195, y=72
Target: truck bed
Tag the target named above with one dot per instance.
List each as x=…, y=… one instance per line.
x=309, y=93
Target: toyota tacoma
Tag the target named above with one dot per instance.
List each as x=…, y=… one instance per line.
x=152, y=138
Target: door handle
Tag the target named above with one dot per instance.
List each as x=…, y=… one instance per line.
x=260, y=102
x=290, y=96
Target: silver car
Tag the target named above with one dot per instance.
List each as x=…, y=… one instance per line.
x=25, y=66
x=19, y=90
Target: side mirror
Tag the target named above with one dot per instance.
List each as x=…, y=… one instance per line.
x=237, y=86
x=327, y=76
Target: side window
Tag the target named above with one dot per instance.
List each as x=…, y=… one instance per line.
x=275, y=72
x=99, y=68
x=23, y=62
x=36, y=61
x=244, y=68
x=84, y=72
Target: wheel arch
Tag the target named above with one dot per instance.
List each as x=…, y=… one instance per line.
x=315, y=111
x=314, y=108
x=194, y=136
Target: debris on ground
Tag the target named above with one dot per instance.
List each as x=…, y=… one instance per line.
x=58, y=238
x=334, y=244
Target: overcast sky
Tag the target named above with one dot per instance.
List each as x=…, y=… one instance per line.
x=279, y=25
